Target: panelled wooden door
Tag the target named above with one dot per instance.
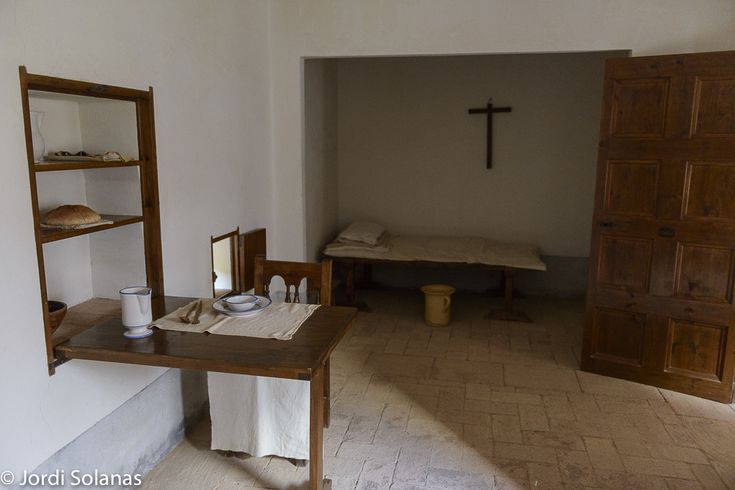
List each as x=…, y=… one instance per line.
x=660, y=295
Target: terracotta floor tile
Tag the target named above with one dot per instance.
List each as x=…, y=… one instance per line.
x=506, y=428
x=657, y=467
x=549, y=378
x=533, y=418
x=602, y=385
x=692, y=406
x=554, y=439
x=576, y=468
x=708, y=477
x=468, y=371
x=524, y=452
x=544, y=475
x=603, y=454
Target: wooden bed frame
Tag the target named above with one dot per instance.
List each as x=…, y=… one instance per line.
x=507, y=313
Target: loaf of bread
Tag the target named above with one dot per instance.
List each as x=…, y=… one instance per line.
x=71, y=215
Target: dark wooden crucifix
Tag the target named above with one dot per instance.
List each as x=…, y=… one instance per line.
x=489, y=110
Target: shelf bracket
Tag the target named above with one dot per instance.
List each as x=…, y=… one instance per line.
x=57, y=362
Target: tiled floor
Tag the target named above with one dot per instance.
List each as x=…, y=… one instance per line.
x=480, y=405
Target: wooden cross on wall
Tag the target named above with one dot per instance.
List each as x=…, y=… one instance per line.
x=489, y=110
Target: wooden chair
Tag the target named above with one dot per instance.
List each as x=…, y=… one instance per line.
x=318, y=284
x=318, y=278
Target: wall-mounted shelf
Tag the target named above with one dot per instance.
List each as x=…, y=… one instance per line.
x=50, y=88
x=51, y=235
x=58, y=166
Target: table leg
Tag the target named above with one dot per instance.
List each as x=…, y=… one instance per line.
x=327, y=401
x=316, y=430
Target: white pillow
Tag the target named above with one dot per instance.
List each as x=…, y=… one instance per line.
x=362, y=232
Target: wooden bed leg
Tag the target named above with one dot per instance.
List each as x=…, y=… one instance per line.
x=367, y=275
x=508, y=275
x=508, y=314
x=350, y=282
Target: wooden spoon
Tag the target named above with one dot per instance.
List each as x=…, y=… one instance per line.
x=185, y=317
x=197, y=312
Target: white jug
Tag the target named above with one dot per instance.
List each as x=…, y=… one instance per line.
x=136, y=306
x=39, y=146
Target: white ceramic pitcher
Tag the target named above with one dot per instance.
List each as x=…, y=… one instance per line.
x=39, y=146
x=136, y=310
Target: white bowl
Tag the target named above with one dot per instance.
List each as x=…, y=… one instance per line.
x=241, y=302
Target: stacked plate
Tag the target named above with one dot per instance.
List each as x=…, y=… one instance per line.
x=259, y=304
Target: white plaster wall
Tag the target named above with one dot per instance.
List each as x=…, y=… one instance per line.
x=118, y=255
x=320, y=154
x=208, y=63
x=108, y=125
x=324, y=28
x=411, y=157
x=68, y=268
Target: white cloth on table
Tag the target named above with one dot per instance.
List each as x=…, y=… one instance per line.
x=260, y=416
x=278, y=321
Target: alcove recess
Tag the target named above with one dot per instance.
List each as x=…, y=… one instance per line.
x=85, y=268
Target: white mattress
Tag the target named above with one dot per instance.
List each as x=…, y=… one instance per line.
x=465, y=250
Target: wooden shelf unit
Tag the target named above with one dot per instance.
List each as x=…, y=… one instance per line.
x=148, y=175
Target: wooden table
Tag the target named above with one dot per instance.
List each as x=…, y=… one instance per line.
x=304, y=357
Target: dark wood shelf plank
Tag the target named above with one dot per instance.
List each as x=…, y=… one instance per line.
x=86, y=315
x=58, y=166
x=49, y=235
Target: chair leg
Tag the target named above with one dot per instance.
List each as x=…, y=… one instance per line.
x=326, y=394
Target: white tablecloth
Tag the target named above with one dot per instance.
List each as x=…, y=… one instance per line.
x=278, y=321
x=260, y=416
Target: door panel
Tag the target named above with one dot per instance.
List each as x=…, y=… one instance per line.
x=618, y=336
x=704, y=273
x=696, y=350
x=624, y=263
x=714, y=105
x=660, y=303
x=629, y=94
x=631, y=188
x=707, y=191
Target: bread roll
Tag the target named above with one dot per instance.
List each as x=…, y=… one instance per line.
x=70, y=215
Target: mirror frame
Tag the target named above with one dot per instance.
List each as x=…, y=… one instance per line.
x=233, y=236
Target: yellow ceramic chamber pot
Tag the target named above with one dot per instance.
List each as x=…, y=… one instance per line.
x=438, y=302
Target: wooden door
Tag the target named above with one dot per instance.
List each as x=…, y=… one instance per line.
x=660, y=303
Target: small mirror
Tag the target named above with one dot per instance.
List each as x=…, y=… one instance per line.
x=224, y=263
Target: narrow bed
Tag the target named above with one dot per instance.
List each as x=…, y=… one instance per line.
x=367, y=243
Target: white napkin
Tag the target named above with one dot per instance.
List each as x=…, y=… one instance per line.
x=278, y=321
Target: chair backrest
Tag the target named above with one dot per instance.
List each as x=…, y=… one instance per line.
x=318, y=278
